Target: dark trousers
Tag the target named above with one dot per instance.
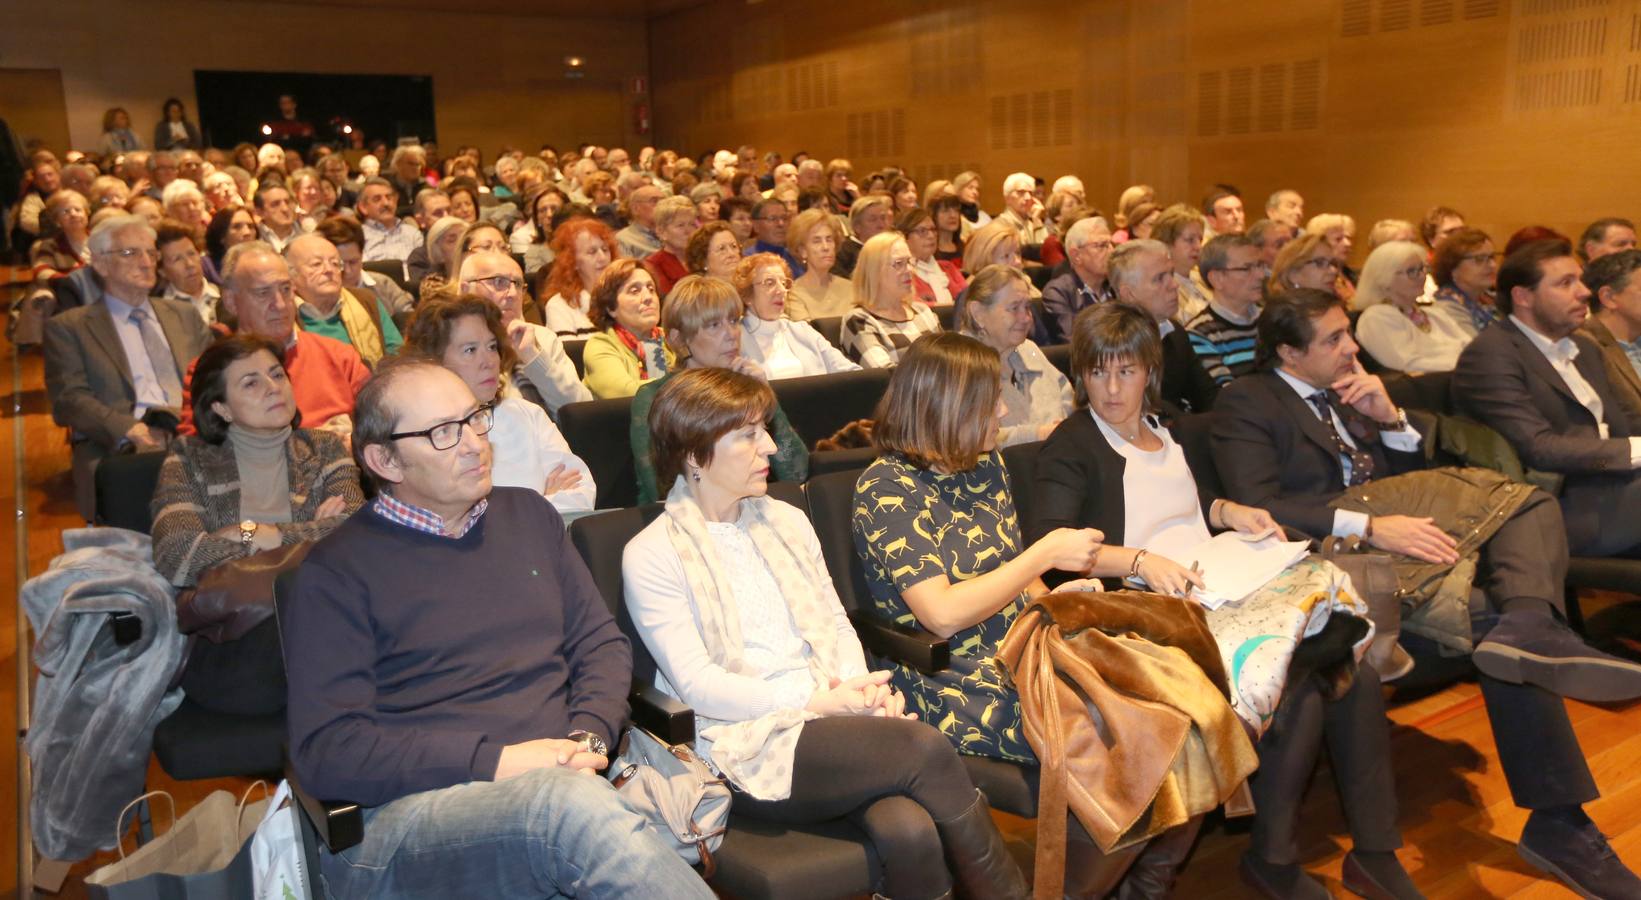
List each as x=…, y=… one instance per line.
x=1526, y=559
x=1604, y=515
x=1358, y=739
x=893, y=778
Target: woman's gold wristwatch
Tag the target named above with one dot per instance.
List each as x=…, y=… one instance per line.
x=247, y=532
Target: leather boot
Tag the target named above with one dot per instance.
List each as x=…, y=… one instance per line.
x=1151, y=877
x=1092, y=873
x=980, y=861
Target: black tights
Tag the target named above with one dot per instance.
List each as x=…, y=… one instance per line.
x=893, y=778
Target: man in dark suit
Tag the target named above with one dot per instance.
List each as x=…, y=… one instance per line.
x=1293, y=437
x=114, y=367
x=1143, y=276
x=1534, y=378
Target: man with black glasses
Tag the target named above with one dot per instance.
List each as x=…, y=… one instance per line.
x=453, y=670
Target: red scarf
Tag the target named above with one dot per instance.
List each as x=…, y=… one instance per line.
x=631, y=342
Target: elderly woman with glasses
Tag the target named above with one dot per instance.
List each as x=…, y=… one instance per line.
x=1036, y=395
x=1339, y=231
x=1395, y=327
x=938, y=281
x=784, y=347
x=887, y=317
x=1305, y=262
x=702, y=325
x=1465, y=267
x=1181, y=227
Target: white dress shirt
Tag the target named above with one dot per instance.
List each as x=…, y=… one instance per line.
x=1349, y=523
x=1560, y=354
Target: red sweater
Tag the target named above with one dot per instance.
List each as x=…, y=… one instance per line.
x=325, y=376
x=666, y=269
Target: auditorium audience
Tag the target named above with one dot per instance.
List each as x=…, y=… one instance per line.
x=1615, y=320
x=815, y=237
x=113, y=369
x=530, y=239
x=1223, y=210
x=1286, y=207
x=1304, y=262
x=182, y=202
x=783, y=346
x=465, y=332
x=1396, y=329
x=1533, y=377
x=674, y=226
x=840, y=191
x=1223, y=334
x=1386, y=230
x=887, y=316
x=349, y=238
x=1036, y=396
x=325, y=307
x=948, y=221
x=429, y=267
x=1085, y=283
x=43, y=179
x=638, y=240
x=966, y=187
x=1128, y=204
x=117, y=136
x=1059, y=214
x=713, y=251
x=183, y=271
x=544, y=373
x=1303, y=437
x=934, y=526
x=724, y=552
x=1111, y=466
x=470, y=780
x=1143, y=276
x=1463, y=266
x=937, y=281
x=869, y=216
x=629, y=347
x=1181, y=229
x=1603, y=236
x=62, y=246
x=1024, y=213
x=387, y=237
x=1438, y=223
x=582, y=250
x=702, y=326
x=275, y=215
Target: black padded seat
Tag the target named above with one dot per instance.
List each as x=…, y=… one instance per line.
x=831, y=502
x=819, y=405
x=394, y=269
x=825, y=462
x=1059, y=356
x=597, y=431
x=123, y=486
x=831, y=328
x=574, y=349
x=1021, y=462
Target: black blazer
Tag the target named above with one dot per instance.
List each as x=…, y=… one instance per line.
x=1186, y=384
x=1078, y=482
x=1504, y=382
x=1273, y=452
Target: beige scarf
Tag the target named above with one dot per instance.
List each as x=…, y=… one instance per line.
x=757, y=754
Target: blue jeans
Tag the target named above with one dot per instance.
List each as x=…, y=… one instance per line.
x=547, y=833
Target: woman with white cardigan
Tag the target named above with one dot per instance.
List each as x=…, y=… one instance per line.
x=784, y=348
x=1394, y=328
x=729, y=591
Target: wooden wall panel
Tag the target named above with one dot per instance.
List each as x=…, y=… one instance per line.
x=1514, y=111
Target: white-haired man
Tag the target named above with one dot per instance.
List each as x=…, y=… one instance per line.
x=1024, y=211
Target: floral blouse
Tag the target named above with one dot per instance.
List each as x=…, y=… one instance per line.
x=911, y=524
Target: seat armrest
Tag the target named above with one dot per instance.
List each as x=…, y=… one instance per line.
x=339, y=825
x=665, y=717
x=914, y=647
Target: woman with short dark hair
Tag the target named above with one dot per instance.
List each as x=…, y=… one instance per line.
x=729, y=591
x=174, y=131
x=1464, y=266
x=629, y=348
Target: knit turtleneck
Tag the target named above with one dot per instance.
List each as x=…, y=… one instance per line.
x=263, y=460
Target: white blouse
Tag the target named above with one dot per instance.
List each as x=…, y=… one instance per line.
x=1391, y=337
x=1161, y=513
x=790, y=349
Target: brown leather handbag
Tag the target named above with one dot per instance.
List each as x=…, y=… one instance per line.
x=1125, y=702
x=236, y=596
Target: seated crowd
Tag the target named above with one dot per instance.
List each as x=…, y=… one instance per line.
x=373, y=356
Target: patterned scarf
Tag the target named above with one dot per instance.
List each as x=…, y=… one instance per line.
x=757, y=754
x=650, y=351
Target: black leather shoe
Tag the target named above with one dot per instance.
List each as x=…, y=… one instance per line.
x=1579, y=856
x=1524, y=648
x=1378, y=876
x=1278, y=882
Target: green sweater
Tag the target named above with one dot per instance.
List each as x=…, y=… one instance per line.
x=790, y=462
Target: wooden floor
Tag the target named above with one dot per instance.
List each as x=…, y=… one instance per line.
x=1456, y=815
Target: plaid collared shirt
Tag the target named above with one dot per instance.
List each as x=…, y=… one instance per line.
x=400, y=513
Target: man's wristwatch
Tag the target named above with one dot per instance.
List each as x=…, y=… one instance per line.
x=589, y=742
x=1397, y=424
x=247, y=532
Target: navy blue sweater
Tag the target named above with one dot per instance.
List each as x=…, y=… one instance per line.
x=414, y=658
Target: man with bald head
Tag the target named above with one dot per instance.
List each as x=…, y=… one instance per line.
x=325, y=307
x=783, y=175
x=325, y=374
x=114, y=368
x=545, y=375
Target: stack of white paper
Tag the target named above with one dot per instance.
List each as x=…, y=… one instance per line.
x=1235, y=565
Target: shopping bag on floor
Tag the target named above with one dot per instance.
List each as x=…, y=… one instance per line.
x=276, y=851
x=205, y=855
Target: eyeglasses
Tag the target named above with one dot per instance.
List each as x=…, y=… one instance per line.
x=1320, y=262
x=1414, y=273
x=1480, y=258
x=1250, y=267
x=922, y=230
x=445, y=435
x=499, y=283
x=901, y=265
x=133, y=253
x=775, y=284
